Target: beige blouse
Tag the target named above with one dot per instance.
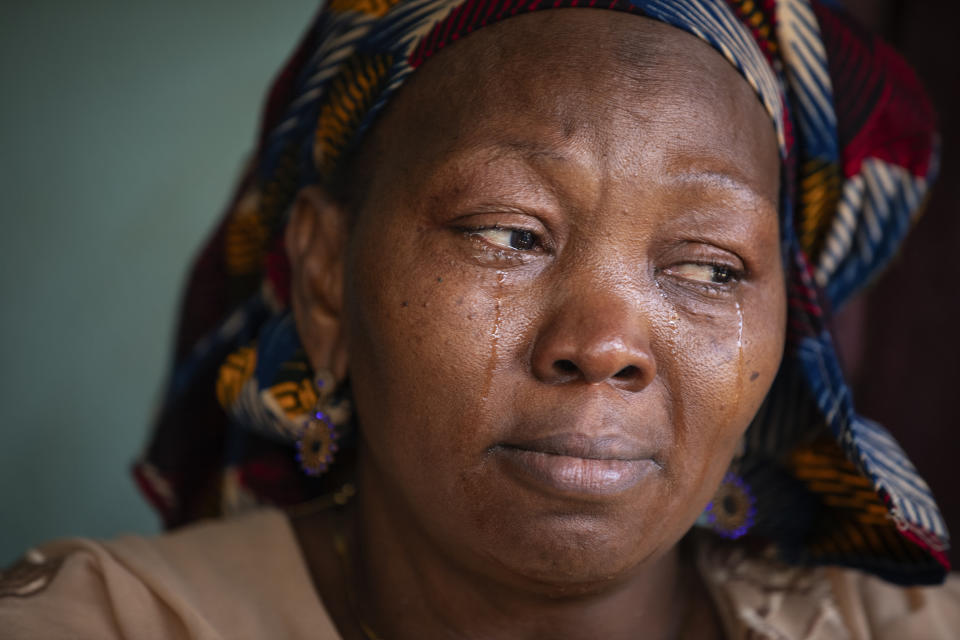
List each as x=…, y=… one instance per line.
x=245, y=578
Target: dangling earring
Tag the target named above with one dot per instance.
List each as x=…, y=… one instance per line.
x=318, y=440
x=732, y=510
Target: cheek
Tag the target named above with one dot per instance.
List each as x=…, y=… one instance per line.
x=423, y=351
x=719, y=366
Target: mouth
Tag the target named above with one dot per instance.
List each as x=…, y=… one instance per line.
x=575, y=464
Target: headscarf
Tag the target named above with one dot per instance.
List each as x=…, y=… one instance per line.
x=858, y=152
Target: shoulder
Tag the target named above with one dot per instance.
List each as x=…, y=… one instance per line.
x=759, y=595
x=891, y=611
x=239, y=578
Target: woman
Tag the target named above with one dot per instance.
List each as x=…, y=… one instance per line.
x=564, y=266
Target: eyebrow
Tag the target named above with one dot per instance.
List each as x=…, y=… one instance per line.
x=532, y=150
x=722, y=180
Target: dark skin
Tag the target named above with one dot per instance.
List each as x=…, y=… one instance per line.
x=560, y=301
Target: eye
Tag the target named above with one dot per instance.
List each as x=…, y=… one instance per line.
x=516, y=239
x=706, y=272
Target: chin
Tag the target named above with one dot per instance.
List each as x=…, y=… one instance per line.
x=571, y=554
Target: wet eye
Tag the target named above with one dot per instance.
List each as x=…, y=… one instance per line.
x=516, y=239
x=712, y=273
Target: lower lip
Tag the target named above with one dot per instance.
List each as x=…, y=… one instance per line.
x=572, y=475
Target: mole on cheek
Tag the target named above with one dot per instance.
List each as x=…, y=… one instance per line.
x=754, y=376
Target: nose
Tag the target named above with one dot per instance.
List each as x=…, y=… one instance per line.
x=597, y=338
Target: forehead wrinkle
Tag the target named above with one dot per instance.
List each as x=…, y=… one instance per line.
x=529, y=150
x=581, y=150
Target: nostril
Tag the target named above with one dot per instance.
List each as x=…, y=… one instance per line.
x=627, y=373
x=565, y=366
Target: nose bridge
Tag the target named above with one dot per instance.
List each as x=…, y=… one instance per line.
x=597, y=331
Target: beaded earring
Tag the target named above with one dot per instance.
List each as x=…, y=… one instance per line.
x=732, y=510
x=318, y=439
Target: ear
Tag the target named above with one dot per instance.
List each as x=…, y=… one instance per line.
x=316, y=238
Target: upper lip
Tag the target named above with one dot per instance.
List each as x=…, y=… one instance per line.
x=581, y=445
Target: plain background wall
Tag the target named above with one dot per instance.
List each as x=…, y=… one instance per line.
x=122, y=128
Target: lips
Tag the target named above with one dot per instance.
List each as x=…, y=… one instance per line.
x=576, y=464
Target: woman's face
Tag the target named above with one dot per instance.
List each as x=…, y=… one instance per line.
x=565, y=299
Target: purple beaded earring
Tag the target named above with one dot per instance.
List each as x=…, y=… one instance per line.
x=318, y=440
x=732, y=510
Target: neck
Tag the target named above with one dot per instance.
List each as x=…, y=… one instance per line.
x=405, y=586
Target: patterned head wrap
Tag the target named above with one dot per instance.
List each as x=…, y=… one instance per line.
x=858, y=150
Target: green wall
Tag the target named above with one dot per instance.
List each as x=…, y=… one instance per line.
x=122, y=128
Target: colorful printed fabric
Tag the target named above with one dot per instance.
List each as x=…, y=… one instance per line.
x=858, y=149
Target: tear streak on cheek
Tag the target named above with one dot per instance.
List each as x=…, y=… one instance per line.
x=494, y=338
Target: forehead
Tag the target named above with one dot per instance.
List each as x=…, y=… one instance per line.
x=606, y=89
